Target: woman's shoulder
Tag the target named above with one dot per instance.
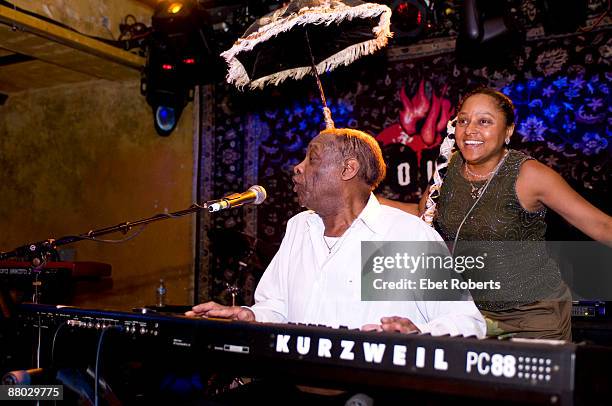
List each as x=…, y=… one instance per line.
x=534, y=169
x=534, y=177
x=516, y=162
x=519, y=156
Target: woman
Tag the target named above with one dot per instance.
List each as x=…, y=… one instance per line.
x=492, y=193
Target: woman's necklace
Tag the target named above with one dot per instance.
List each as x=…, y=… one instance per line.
x=475, y=175
x=481, y=190
x=476, y=191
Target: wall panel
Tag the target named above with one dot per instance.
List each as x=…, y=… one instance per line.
x=83, y=157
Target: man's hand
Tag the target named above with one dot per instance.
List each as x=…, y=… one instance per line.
x=212, y=309
x=398, y=324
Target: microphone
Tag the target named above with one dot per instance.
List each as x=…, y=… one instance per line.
x=254, y=195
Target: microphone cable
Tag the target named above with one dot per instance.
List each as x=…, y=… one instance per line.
x=98, y=353
x=52, y=360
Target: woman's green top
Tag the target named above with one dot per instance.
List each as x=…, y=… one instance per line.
x=512, y=236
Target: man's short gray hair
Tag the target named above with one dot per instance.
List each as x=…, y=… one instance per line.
x=365, y=149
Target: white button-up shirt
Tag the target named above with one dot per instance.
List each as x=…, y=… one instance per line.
x=305, y=283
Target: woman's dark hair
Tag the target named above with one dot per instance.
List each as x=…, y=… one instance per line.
x=503, y=102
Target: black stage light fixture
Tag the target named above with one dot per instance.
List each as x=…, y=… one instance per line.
x=166, y=88
x=409, y=19
x=178, y=55
x=490, y=32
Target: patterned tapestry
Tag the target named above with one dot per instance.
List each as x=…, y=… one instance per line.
x=560, y=85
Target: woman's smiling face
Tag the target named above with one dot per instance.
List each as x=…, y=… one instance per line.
x=481, y=130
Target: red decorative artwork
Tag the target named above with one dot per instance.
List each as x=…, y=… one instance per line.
x=421, y=120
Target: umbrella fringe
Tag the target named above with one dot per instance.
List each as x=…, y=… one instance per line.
x=238, y=75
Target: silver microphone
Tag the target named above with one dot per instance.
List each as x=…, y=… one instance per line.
x=254, y=195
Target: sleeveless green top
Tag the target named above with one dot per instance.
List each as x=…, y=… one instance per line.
x=523, y=267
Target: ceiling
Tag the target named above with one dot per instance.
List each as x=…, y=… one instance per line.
x=35, y=53
x=39, y=51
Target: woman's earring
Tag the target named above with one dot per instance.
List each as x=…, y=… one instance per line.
x=507, y=141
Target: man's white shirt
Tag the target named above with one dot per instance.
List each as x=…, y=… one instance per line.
x=305, y=283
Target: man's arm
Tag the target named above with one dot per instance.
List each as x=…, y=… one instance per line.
x=270, y=301
x=452, y=317
x=271, y=296
x=455, y=319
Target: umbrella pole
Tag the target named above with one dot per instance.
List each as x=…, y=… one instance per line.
x=329, y=122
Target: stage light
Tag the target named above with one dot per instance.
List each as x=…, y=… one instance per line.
x=177, y=17
x=409, y=18
x=166, y=118
x=166, y=85
x=177, y=59
x=175, y=8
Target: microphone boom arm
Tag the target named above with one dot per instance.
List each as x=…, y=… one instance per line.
x=46, y=247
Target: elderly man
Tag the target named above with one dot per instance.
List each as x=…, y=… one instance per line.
x=315, y=275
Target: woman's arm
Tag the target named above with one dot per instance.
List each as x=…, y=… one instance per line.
x=416, y=209
x=411, y=208
x=538, y=185
x=423, y=201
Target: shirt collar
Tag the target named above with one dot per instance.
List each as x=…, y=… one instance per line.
x=368, y=216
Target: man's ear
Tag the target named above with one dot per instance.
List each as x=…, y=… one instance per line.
x=351, y=169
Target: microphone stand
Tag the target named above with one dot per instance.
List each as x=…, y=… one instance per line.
x=39, y=252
